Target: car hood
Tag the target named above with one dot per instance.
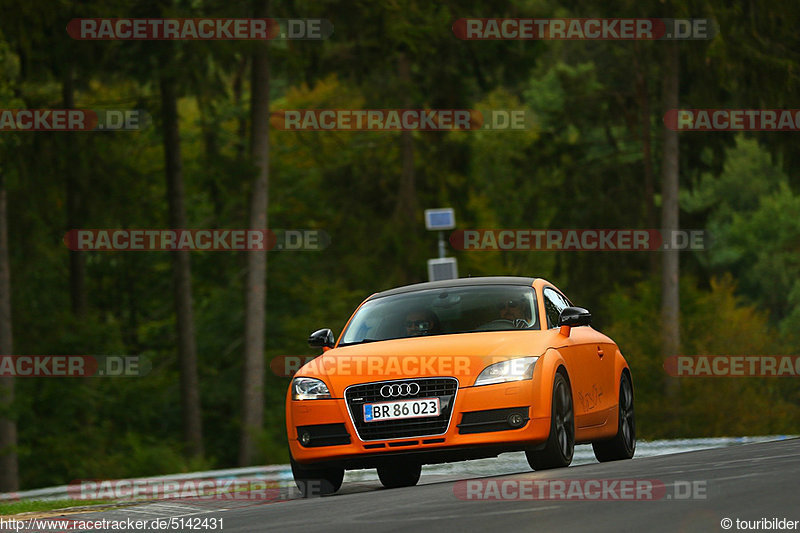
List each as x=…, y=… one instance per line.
x=462, y=355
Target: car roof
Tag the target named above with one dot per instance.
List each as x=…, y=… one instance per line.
x=460, y=282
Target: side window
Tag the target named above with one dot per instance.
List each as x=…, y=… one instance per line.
x=551, y=308
x=554, y=303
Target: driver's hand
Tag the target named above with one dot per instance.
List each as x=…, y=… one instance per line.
x=520, y=323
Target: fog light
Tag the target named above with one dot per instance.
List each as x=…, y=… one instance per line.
x=515, y=420
x=305, y=438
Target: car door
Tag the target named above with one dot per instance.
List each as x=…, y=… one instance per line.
x=597, y=392
x=590, y=365
x=600, y=395
x=572, y=350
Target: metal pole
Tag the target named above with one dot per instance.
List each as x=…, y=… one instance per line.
x=441, y=245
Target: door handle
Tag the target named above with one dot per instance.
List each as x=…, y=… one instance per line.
x=600, y=352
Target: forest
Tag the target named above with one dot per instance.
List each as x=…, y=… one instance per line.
x=596, y=152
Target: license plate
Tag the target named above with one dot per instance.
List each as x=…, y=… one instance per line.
x=418, y=408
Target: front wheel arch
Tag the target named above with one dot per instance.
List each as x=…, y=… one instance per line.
x=550, y=363
x=559, y=448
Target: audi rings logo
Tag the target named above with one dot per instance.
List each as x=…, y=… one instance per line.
x=399, y=389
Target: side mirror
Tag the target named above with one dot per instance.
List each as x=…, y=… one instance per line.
x=322, y=338
x=574, y=316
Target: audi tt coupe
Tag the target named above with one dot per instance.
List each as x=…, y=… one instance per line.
x=455, y=370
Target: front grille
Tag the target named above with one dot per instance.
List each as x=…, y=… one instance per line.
x=442, y=388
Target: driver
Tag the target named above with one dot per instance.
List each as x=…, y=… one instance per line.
x=512, y=310
x=421, y=322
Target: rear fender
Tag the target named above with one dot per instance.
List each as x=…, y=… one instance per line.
x=620, y=365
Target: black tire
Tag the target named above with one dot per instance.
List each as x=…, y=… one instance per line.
x=399, y=474
x=316, y=481
x=623, y=445
x=560, y=445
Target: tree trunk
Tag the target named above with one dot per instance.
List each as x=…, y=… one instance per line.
x=406, y=205
x=405, y=209
x=209, y=125
x=643, y=96
x=181, y=271
x=241, y=124
x=670, y=299
x=256, y=283
x=9, y=473
x=77, y=260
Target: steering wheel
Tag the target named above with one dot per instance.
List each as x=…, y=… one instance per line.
x=502, y=323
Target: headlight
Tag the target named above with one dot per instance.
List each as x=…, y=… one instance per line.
x=511, y=370
x=309, y=389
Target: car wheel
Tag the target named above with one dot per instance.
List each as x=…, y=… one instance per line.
x=623, y=444
x=399, y=475
x=560, y=445
x=316, y=481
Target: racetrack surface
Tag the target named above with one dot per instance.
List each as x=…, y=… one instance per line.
x=748, y=482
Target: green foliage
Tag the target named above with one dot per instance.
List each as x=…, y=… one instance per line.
x=713, y=322
x=31, y=506
x=752, y=217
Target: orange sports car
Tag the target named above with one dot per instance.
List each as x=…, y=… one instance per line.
x=455, y=370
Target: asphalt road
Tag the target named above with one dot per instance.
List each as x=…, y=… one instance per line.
x=695, y=492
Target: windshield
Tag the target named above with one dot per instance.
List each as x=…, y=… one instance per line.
x=444, y=311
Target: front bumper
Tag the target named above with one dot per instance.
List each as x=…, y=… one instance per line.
x=477, y=428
